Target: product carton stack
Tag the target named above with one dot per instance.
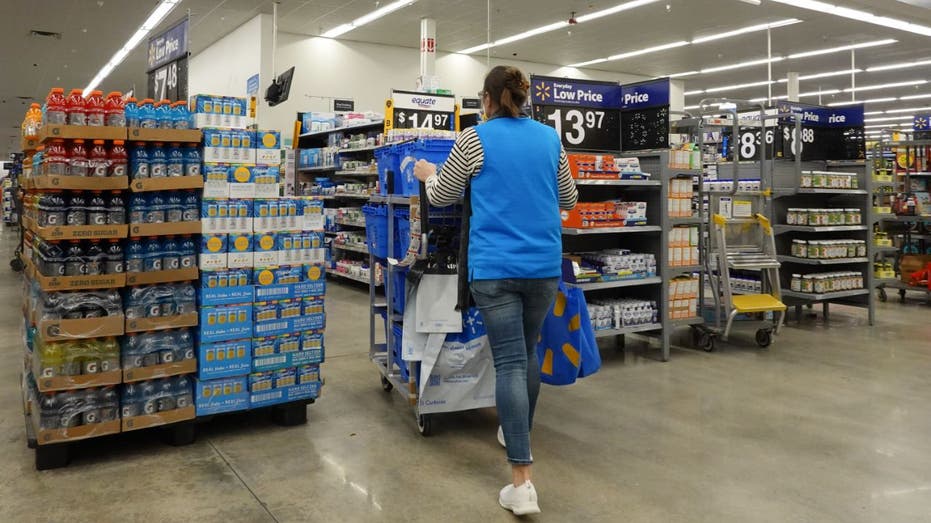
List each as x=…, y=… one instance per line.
x=262, y=282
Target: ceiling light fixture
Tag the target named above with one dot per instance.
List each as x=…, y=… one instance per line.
x=860, y=16
x=741, y=65
x=155, y=17
x=737, y=86
x=842, y=48
x=824, y=75
x=884, y=86
x=908, y=110
x=888, y=119
x=745, y=30
x=559, y=25
x=709, y=38
x=367, y=18
x=901, y=65
x=915, y=97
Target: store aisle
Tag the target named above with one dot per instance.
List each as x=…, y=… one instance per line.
x=828, y=425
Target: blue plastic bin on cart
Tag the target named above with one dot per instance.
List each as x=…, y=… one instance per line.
x=396, y=352
x=387, y=160
x=402, y=240
x=398, y=289
x=432, y=150
x=376, y=229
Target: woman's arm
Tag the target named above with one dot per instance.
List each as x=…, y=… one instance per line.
x=466, y=159
x=568, y=193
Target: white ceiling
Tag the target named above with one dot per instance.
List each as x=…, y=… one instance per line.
x=91, y=30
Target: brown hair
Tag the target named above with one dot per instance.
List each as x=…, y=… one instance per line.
x=508, y=88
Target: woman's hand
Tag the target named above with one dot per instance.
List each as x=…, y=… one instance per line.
x=424, y=169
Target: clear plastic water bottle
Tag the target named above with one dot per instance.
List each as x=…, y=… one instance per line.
x=109, y=404
x=130, y=401
x=158, y=161
x=191, y=161
x=153, y=255
x=166, y=395
x=184, y=345
x=183, y=392
x=171, y=250
x=131, y=110
x=135, y=255
x=175, y=160
x=148, y=398
x=156, y=208
x=181, y=115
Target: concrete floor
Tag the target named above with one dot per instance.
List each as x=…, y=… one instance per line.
x=830, y=424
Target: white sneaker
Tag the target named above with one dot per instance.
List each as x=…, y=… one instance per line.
x=501, y=437
x=520, y=500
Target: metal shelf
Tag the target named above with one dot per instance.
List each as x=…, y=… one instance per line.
x=900, y=218
x=622, y=183
x=348, y=276
x=831, y=191
x=360, y=149
x=921, y=173
x=606, y=333
x=358, y=196
x=356, y=173
x=685, y=220
x=826, y=296
x=350, y=223
x=348, y=247
x=630, y=282
x=819, y=261
x=685, y=269
x=377, y=123
x=397, y=200
x=877, y=248
x=317, y=169
x=694, y=320
x=810, y=228
x=883, y=282
x=611, y=230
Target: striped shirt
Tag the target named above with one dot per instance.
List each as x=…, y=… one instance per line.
x=467, y=158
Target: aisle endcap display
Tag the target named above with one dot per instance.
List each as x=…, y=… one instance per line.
x=142, y=134
x=167, y=184
x=80, y=132
x=80, y=183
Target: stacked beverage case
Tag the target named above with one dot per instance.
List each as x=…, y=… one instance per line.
x=119, y=316
x=262, y=274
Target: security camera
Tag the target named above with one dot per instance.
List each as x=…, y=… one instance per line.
x=572, y=20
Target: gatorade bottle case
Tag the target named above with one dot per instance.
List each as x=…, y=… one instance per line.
x=225, y=359
x=221, y=395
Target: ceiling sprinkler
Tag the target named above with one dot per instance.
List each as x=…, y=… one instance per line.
x=572, y=20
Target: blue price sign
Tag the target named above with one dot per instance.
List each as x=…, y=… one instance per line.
x=585, y=113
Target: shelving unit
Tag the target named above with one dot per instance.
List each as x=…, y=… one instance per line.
x=911, y=234
x=789, y=194
x=361, y=178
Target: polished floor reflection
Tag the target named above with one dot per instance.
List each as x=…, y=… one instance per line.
x=830, y=424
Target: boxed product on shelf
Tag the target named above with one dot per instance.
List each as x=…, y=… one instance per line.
x=221, y=395
x=622, y=313
x=824, y=217
x=226, y=287
x=604, y=167
x=683, y=297
x=683, y=246
x=239, y=247
x=72, y=364
x=828, y=249
x=164, y=207
x=157, y=402
x=225, y=322
x=228, y=146
x=160, y=160
x=287, y=350
x=226, y=215
x=745, y=285
x=725, y=186
x=288, y=248
x=608, y=265
x=268, y=147
x=213, y=251
x=679, y=203
x=612, y=213
x=281, y=386
x=276, y=317
x=295, y=281
x=685, y=156
x=225, y=359
x=219, y=111
x=153, y=254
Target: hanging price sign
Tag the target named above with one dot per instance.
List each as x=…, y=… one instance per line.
x=585, y=113
x=826, y=133
x=412, y=110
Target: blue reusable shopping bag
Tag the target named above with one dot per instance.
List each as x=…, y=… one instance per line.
x=567, y=348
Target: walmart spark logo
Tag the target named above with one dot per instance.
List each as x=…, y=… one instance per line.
x=542, y=92
x=921, y=122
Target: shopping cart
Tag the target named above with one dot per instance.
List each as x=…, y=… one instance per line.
x=745, y=243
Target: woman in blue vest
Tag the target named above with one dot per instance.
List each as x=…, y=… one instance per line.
x=520, y=180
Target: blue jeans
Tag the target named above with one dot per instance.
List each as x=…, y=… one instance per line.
x=513, y=311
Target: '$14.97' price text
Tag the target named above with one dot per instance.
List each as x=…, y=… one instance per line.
x=423, y=120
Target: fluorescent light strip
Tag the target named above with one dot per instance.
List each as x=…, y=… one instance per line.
x=367, y=18
x=155, y=17
x=884, y=86
x=868, y=113
x=889, y=119
x=741, y=65
x=915, y=97
x=842, y=48
x=559, y=25
x=709, y=38
x=824, y=75
x=901, y=65
x=737, y=86
x=745, y=30
x=860, y=16
x=887, y=125
x=909, y=110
